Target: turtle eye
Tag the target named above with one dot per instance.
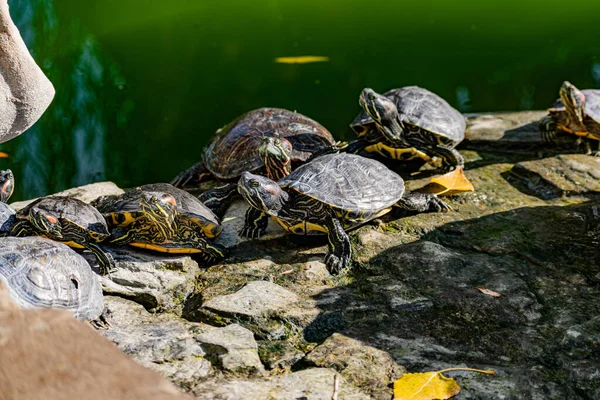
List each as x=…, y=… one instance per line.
x=254, y=184
x=277, y=142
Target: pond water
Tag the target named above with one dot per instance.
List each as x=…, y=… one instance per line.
x=142, y=84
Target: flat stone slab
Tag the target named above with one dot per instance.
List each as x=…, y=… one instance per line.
x=310, y=384
x=86, y=193
x=256, y=299
x=158, y=281
x=563, y=175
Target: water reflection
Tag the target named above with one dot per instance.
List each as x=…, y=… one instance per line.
x=66, y=147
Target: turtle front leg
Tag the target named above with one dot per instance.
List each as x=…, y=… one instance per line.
x=451, y=158
x=255, y=224
x=422, y=202
x=106, y=262
x=194, y=175
x=547, y=127
x=220, y=198
x=340, y=251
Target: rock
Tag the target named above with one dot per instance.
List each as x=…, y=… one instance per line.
x=85, y=193
x=314, y=383
x=278, y=354
x=25, y=92
x=162, y=342
x=48, y=354
x=235, y=348
x=368, y=368
x=563, y=175
x=158, y=281
x=258, y=306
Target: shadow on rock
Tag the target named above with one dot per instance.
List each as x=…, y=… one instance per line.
x=422, y=303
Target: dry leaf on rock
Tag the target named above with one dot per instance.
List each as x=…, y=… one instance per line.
x=489, y=292
x=453, y=182
x=429, y=385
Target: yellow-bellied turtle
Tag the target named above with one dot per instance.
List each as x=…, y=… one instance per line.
x=409, y=123
x=41, y=273
x=267, y=141
x=163, y=218
x=66, y=220
x=331, y=194
x=576, y=112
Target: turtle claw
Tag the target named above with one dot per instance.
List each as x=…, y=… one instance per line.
x=438, y=205
x=335, y=264
x=102, y=321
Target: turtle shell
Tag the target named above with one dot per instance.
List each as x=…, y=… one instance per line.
x=69, y=208
x=190, y=207
x=423, y=109
x=235, y=149
x=592, y=105
x=42, y=273
x=348, y=182
x=7, y=217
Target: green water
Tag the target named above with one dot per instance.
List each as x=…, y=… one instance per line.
x=142, y=84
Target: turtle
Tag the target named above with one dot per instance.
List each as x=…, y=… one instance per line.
x=237, y=148
x=409, y=123
x=162, y=218
x=7, y=216
x=43, y=273
x=576, y=112
x=332, y=194
x=7, y=185
x=67, y=220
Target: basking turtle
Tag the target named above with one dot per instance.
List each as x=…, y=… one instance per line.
x=331, y=194
x=43, y=273
x=7, y=185
x=409, y=123
x=235, y=149
x=576, y=112
x=163, y=218
x=67, y=220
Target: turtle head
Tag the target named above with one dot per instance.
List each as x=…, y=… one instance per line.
x=7, y=185
x=262, y=193
x=276, y=154
x=45, y=224
x=160, y=208
x=383, y=111
x=574, y=100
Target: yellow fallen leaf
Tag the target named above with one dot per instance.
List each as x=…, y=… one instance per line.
x=429, y=385
x=425, y=386
x=301, y=59
x=453, y=182
x=3, y=154
x=489, y=292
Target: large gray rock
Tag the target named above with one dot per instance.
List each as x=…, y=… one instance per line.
x=25, y=92
x=309, y=384
x=159, y=282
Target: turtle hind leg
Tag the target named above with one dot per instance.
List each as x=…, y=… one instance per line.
x=547, y=128
x=451, y=158
x=591, y=152
x=255, y=224
x=220, y=198
x=422, y=202
x=340, y=252
x=194, y=175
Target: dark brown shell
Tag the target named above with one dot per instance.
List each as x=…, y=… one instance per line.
x=235, y=149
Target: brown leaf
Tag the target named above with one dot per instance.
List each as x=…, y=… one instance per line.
x=489, y=292
x=453, y=182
